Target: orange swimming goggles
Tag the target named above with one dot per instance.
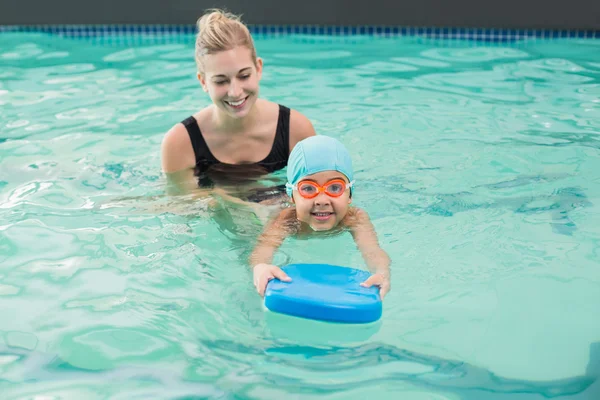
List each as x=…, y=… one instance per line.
x=333, y=188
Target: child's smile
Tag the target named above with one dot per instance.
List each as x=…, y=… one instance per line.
x=322, y=216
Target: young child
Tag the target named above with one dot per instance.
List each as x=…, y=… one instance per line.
x=320, y=183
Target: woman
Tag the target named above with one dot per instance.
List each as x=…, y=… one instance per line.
x=240, y=137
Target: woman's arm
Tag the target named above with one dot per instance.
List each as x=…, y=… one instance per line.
x=178, y=161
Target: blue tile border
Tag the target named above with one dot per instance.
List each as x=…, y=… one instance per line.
x=472, y=34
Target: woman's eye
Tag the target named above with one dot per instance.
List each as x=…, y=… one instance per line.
x=244, y=76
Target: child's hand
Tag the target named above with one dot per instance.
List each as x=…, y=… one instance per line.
x=263, y=273
x=379, y=279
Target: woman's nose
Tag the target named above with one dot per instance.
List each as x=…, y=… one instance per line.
x=235, y=90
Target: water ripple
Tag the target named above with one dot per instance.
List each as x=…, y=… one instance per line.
x=477, y=164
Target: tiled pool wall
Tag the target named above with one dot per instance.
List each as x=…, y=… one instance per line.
x=508, y=20
x=485, y=34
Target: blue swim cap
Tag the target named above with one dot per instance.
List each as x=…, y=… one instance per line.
x=316, y=154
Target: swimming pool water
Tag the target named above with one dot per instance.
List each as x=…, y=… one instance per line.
x=478, y=164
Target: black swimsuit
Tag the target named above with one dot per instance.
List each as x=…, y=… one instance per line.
x=210, y=170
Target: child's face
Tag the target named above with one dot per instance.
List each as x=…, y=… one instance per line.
x=322, y=212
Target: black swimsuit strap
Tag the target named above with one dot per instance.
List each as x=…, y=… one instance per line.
x=201, y=150
x=275, y=160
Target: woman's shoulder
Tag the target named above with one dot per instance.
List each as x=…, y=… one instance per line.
x=300, y=126
x=176, y=148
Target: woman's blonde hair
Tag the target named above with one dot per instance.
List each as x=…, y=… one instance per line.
x=219, y=30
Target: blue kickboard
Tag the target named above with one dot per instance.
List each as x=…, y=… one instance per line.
x=324, y=292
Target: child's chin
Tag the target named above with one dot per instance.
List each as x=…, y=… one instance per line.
x=319, y=228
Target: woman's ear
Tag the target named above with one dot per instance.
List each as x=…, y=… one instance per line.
x=202, y=82
x=259, y=67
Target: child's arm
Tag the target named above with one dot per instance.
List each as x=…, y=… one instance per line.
x=272, y=236
x=376, y=258
x=269, y=241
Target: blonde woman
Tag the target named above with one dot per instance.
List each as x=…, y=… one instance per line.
x=239, y=137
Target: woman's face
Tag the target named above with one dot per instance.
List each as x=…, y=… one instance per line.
x=231, y=79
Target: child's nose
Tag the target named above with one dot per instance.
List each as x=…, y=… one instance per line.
x=322, y=199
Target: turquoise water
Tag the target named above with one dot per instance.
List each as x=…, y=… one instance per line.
x=478, y=164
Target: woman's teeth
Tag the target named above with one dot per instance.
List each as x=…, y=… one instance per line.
x=236, y=103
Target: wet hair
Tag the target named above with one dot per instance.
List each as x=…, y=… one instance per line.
x=219, y=30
